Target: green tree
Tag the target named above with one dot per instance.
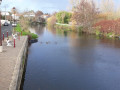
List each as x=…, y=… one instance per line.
x=63, y=17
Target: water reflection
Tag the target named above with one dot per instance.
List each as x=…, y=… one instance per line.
x=37, y=29
x=66, y=60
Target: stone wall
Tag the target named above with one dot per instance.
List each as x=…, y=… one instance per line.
x=19, y=67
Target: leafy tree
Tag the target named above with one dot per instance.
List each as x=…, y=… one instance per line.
x=51, y=20
x=63, y=17
x=3, y=17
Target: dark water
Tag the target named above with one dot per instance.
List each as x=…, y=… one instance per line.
x=63, y=60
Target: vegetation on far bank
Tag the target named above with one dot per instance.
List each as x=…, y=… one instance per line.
x=85, y=16
x=24, y=33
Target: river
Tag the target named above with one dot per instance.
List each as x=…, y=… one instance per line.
x=66, y=60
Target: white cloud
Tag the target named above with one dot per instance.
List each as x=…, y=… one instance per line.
x=44, y=5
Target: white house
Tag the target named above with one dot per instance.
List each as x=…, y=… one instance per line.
x=15, y=16
x=45, y=16
x=29, y=14
x=3, y=13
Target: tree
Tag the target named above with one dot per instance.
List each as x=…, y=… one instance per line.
x=51, y=20
x=63, y=17
x=15, y=11
x=107, y=6
x=85, y=14
x=38, y=13
x=74, y=3
x=24, y=22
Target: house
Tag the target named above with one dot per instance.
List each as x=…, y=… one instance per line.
x=3, y=13
x=29, y=14
x=15, y=16
x=45, y=16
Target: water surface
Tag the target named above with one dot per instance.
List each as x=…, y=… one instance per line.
x=62, y=60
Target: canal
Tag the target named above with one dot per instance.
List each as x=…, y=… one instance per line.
x=66, y=60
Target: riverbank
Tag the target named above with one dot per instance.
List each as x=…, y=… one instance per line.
x=68, y=27
x=24, y=33
x=12, y=62
x=95, y=31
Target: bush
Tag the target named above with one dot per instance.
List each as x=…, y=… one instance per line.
x=24, y=33
x=63, y=27
x=51, y=20
x=108, y=26
x=63, y=17
x=110, y=34
x=80, y=28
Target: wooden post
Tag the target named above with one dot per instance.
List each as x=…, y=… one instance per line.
x=14, y=43
x=7, y=34
x=21, y=33
x=3, y=36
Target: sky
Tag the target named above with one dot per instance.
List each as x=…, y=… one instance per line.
x=47, y=6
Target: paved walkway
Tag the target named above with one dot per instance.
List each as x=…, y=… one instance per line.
x=7, y=63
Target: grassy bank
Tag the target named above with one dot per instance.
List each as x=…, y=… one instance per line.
x=95, y=31
x=67, y=27
x=24, y=33
x=106, y=34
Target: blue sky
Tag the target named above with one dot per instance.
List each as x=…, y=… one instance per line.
x=47, y=6
x=44, y=5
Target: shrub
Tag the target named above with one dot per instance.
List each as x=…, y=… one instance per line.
x=63, y=17
x=51, y=20
x=80, y=29
x=63, y=27
x=108, y=26
x=24, y=33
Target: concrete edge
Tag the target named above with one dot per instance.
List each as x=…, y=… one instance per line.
x=17, y=74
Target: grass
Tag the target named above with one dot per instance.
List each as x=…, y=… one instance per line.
x=109, y=34
x=63, y=27
x=25, y=33
x=98, y=32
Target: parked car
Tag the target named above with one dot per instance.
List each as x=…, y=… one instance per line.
x=6, y=24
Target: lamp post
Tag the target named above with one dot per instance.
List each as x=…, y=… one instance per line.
x=14, y=17
x=1, y=48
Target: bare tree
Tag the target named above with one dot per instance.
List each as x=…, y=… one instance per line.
x=38, y=13
x=107, y=6
x=85, y=14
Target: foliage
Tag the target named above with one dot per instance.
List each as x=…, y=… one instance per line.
x=19, y=29
x=109, y=34
x=24, y=22
x=108, y=26
x=107, y=6
x=85, y=14
x=63, y=27
x=38, y=17
x=80, y=28
x=38, y=13
x=97, y=32
x=51, y=20
x=73, y=26
x=3, y=17
x=63, y=17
